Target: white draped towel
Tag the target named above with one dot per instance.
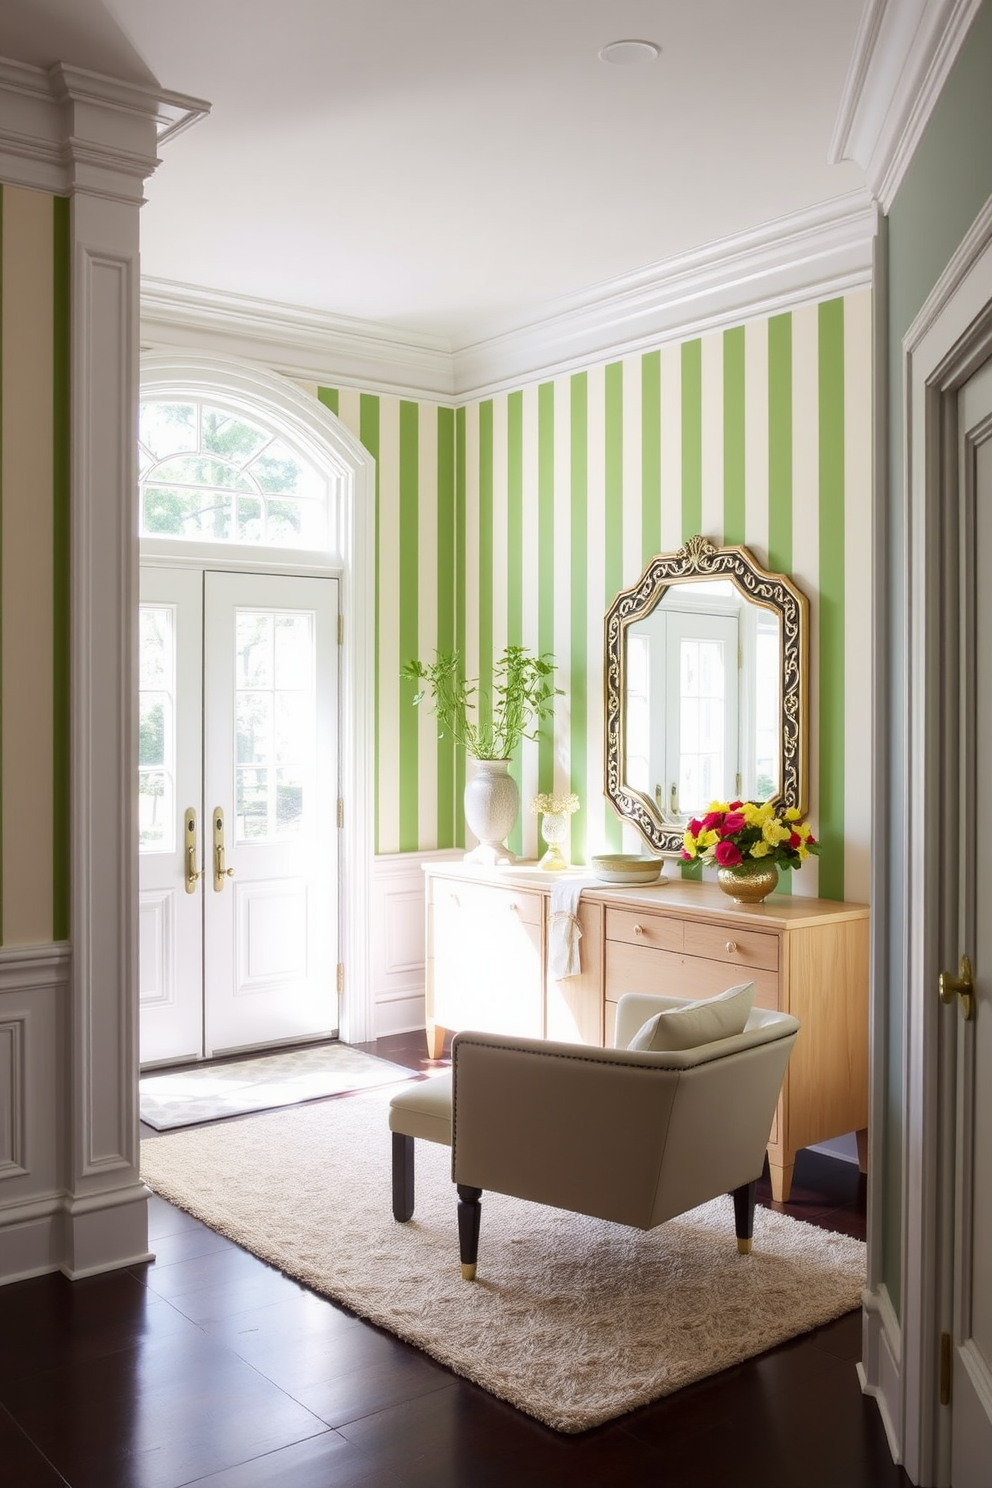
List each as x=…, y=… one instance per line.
x=563, y=928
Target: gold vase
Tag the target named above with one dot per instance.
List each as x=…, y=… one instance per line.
x=749, y=881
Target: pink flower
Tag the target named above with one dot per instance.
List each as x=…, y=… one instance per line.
x=727, y=854
x=687, y=856
x=695, y=826
x=733, y=822
x=712, y=819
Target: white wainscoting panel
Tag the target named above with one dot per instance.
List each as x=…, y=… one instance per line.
x=33, y=1032
x=397, y=963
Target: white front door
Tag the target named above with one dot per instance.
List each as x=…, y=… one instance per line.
x=238, y=793
x=971, y=1389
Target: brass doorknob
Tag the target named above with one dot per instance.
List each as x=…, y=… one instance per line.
x=962, y=986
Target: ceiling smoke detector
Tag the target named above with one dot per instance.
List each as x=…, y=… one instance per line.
x=629, y=53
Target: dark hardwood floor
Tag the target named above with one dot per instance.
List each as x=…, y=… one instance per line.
x=209, y=1367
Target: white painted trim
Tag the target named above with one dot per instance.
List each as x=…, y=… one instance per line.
x=308, y=345
x=398, y=989
x=812, y=255
x=331, y=446
x=808, y=256
x=34, y=966
x=879, y=1370
x=64, y=129
x=872, y=1381
x=903, y=56
x=950, y=336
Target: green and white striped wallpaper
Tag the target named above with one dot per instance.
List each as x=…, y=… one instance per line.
x=517, y=518
x=34, y=567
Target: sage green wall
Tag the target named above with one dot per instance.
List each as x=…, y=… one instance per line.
x=517, y=518
x=945, y=187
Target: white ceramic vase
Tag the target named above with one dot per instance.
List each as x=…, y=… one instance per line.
x=492, y=801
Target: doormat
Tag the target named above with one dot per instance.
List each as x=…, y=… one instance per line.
x=210, y=1092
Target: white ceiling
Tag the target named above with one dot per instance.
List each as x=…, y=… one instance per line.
x=452, y=168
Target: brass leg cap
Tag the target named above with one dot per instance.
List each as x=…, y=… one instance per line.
x=744, y=1246
x=468, y=1272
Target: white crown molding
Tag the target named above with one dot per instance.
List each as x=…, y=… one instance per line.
x=64, y=129
x=903, y=56
x=299, y=343
x=822, y=251
x=810, y=255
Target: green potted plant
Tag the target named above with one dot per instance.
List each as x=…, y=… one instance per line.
x=489, y=726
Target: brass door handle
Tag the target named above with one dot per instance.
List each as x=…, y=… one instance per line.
x=962, y=986
x=220, y=871
x=189, y=841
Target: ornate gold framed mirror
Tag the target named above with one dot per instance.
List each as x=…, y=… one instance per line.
x=706, y=690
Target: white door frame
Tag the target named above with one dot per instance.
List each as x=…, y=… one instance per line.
x=351, y=559
x=949, y=339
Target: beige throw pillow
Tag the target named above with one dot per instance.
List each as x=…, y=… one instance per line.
x=697, y=1022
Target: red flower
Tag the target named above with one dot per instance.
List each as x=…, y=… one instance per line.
x=736, y=805
x=727, y=854
x=687, y=856
x=712, y=819
x=733, y=822
x=795, y=840
x=695, y=826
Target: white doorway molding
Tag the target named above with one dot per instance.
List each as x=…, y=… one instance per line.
x=325, y=441
x=949, y=339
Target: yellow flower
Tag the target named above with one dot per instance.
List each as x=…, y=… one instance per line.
x=774, y=832
x=760, y=849
x=689, y=843
x=708, y=839
x=792, y=814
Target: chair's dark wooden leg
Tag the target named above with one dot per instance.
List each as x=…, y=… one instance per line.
x=402, y=1177
x=469, y=1219
x=744, y=1215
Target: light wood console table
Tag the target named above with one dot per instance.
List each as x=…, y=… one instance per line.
x=487, y=933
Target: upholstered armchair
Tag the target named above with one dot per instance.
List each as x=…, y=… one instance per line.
x=636, y=1135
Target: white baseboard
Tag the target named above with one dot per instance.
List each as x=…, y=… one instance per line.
x=879, y=1370
x=846, y=1148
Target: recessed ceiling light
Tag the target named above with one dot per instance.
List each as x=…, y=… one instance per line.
x=629, y=53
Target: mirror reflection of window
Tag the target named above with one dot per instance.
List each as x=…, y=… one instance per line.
x=638, y=717
x=768, y=707
x=702, y=767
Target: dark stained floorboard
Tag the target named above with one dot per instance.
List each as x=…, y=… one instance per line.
x=208, y=1367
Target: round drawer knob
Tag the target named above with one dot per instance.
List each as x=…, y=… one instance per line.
x=638, y=929
x=513, y=909
x=731, y=946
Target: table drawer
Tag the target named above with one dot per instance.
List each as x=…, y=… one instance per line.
x=748, y=949
x=635, y=968
x=631, y=927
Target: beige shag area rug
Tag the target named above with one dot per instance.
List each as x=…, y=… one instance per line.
x=572, y=1320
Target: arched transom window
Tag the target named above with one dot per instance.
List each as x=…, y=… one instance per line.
x=208, y=474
